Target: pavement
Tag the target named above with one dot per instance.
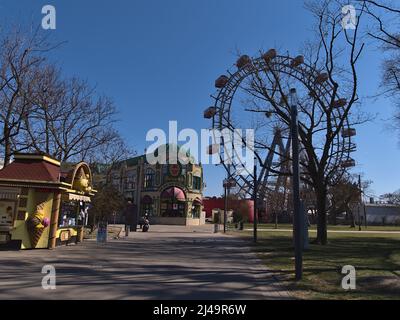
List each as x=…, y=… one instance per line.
x=169, y=262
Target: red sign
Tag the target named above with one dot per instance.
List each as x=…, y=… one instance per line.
x=174, y=170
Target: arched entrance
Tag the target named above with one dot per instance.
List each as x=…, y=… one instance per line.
x=147, y=205
x=173, y=203
x=196, y=208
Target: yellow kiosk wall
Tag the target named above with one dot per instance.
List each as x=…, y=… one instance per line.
x=33, y=199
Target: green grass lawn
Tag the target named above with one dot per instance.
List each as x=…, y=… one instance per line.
x=330, y=227
x=376, y=258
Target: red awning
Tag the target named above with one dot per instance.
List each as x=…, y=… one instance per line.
x=173, y=193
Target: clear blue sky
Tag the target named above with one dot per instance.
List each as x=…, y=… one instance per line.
x=158, y=59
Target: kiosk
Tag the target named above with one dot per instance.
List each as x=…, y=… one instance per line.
x=43, y=203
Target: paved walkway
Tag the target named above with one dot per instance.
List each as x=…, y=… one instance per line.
x=165, y=263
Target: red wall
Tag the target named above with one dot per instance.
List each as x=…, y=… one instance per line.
x=219, y=203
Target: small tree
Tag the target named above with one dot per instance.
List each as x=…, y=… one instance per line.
x=239, y=207
x=342, y=196
x=105, y=203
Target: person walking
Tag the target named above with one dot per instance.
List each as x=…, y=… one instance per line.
x=131, y=219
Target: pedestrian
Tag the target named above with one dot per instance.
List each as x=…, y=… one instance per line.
x=130, y=216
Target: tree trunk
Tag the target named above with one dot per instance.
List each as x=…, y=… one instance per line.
x=7, y=146
x=334, y=218
x=352, y=219
x=322, y=232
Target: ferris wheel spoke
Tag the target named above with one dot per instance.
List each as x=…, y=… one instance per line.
x=266, y=80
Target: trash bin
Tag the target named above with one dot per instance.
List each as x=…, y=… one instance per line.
x=241, y=226
x=79, y=236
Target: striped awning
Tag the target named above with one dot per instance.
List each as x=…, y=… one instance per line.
x=173, y=193
x=78, y=197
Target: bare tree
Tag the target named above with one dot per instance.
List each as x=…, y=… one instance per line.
x=47, y=98
x=345, y=195
x=391, y=198
x=333, y=57
x=385, y=15
x=20, y=57
x=109, y=156
x=69, y=120
x=42, y=111
x=385, y=29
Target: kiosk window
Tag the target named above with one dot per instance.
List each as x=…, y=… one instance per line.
x=68, y=214
x=7, y=213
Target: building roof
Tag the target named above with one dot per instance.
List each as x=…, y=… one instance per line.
x=134, y=161
x=165, y=149
x=130, y=162
x=32, y=168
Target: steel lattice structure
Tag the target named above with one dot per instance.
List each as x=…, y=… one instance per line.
x=276, y=156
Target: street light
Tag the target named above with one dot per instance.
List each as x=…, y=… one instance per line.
x=228, y=184
x=255, y=217
x=297, y=212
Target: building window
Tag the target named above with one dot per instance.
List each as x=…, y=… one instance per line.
x=116, y=181
x=147, y=205
x=130, y=195
x=165, y=170
x=158, y=178
x=196, y=183
x=130, y=180
x=189, y=180
x=149, y=178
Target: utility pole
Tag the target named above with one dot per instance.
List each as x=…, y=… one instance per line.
x=225, y=204
x=227, y=187
x=362, y=201
x=297, y=212
x=255, y=218
x=360, y=204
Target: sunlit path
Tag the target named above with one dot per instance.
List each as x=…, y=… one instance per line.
x=166, y=263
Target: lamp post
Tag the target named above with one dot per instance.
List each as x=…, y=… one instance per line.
x=228, y=184
x=255, y=218
x=297, y=212
x=360, y=203
x=226, y=203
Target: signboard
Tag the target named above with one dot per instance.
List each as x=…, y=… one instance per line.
x=229, y=183
x=64, y=235
x=175, y=170
x=7, y=212
x=102, y=233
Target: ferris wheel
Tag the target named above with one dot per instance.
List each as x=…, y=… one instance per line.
x=254, y=94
